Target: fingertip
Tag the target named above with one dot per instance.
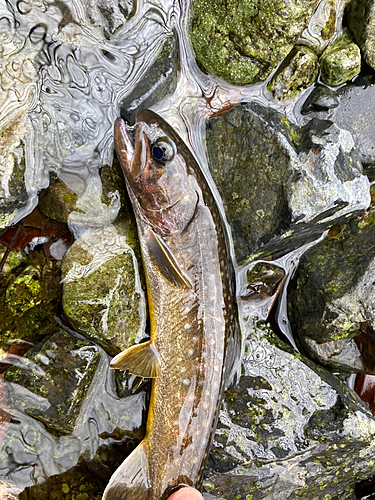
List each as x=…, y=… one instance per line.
x=186, y=493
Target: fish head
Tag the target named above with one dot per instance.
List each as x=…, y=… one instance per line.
x=157, y=168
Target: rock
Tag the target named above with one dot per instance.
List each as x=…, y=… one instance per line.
x=282, y=185
x=63, y=368
x=102, y=291
x=262, y=281
x=58, y=201
x=39, y=448
x=159, y=81
x=341, y=60
x=356, y=114
x=296, y=73
x=332, y=309
x=108, y=15
x=288, y=430
x=244, y=41
x=29, y=298
x=360, y=15
x=322, y=98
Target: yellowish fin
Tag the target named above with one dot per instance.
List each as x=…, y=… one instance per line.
x=141, y=360
x=165, y=261
x=129, y=482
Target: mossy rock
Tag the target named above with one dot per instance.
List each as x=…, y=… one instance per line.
x=103, y=296
x=58, y=201
x=341, y=61
x=296, y=73
x=243, y=42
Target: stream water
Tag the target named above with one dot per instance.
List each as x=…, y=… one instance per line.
x=63, y=81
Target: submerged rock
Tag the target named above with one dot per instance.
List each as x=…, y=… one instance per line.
x=59, y=373
x=67, y=381
x=102, y=292
x=297, y=72
x=159, y=81
x=341, y=61
x=262, y=280
x=58, y=201
x=322, y=98
x=244, y=41
x=288, y=430
x=281, y=184
x=360, y=15
x=29, y=298
x=332, y=309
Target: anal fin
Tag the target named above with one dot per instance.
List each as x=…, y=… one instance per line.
x=140, y=359
x=165, y=261
x=129, y=481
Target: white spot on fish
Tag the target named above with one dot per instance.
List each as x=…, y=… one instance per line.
x=187, y=326
x=186, y=381
x=195, y=339
x=190, y=352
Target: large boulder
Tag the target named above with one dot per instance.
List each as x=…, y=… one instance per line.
x=282, y=185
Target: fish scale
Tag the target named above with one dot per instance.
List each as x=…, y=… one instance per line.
x=189, y=280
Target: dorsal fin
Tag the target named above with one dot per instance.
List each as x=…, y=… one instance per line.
x=140, y=359
x=165, y=261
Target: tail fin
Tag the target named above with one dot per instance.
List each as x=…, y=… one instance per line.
x=130, y=482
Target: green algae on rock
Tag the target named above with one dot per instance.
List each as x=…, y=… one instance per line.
x=29, y=297
x=341, y=61
x=332, y=309
x=281, y=184
x=102, y=292
x=57, y=201
x=66, y=367
x=243, y=42
x=289, y=429
x=296, y=73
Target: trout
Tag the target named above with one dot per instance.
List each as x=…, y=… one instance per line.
x=193, y=327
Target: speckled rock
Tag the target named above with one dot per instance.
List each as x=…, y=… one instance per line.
x=63, y=368
x=360, y=15
x=102, y=292
x=29, y=298
x=288, y=430
x=282, y=185
x=341, y=61
x=58, y=201
x=297, y=72
x=243, y=42
x=332, y=309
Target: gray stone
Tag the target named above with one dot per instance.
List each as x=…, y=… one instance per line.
x=282, y=185
x=332, y=309
x=288, y=430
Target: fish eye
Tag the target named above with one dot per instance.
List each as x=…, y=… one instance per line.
x=163, y=150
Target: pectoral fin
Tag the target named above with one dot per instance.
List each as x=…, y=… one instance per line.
x=141, y=360
x=129, y=482
x=165, y=261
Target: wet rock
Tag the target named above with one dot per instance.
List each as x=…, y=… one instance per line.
x=243, y=42
x=288, y=430
x=324, y=24
x=109, y=15
x=297, y=72
x=29, y=298
x=332, y=309
x=341, y=61
x=360, y=15
x=102, y=291
x=356, y=114
x=282, y=185
x=322, y=98
x=59, y=373
x=262, y=280
x=159, y=81
x=58, y=201
x=106, y=428
x=9, y=491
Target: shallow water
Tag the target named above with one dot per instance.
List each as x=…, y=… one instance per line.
x=65, y=80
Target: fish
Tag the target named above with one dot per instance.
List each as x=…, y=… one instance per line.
x=193, y=315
